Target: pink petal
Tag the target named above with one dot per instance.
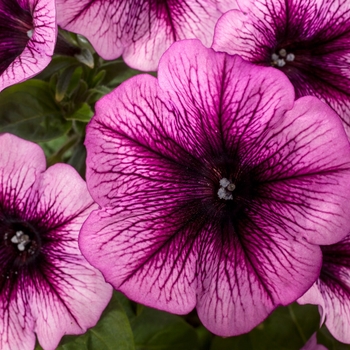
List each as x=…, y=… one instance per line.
x=141, y=31
x=40, y=47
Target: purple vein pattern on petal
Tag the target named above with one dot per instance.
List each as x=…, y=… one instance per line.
x=46, y=285
x=141, y=30
x=215, y=187
x=308, y=40
x=332, y=290
x=28, y=34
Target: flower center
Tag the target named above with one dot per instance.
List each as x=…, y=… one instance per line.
x=22, y=240
x=23, y=237
x=226, y=189
x=281, y=58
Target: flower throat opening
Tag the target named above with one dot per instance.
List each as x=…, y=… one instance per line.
x=22, y=238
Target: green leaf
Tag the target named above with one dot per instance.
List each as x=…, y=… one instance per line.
x=204, y=338
x=158, y=330
x=65, y=79
x=84, y=113
x=154, y=329
x=57, y=63
x=80, y=95
x=50, y=147
x=96, y=93
x=78, y=159
x=112, y=332
x=29, y=110
x=75, y=81
x=117, y=72
x=98, y=78
x=288, y=328
x=86, y=57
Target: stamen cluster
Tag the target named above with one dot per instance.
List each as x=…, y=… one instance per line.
x=281, y=58
x=226, y=189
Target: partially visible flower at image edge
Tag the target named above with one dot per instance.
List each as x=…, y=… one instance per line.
x=308, y=40
x=28, y=33
x=331, y=291
x=216, y=188
x=140, y=30
x=46, y=285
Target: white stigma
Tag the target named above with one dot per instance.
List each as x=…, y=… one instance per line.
x=280, y=62
x=274, y=57
x=224, y=182
x=290, y=57
x=21, y=240
x=30, y=33
x=226, y=188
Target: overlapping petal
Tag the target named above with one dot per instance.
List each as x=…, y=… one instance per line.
x=28, y=32
x=307, y=40
x=332, y=290
x=157, y=152
x=141, y=30
x=312, y=344
x=48, y=289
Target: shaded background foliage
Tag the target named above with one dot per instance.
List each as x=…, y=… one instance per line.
x=130, y=326
x=54, y=111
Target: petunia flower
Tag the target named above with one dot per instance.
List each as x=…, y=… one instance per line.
x=308, y=40
x=46, y=285
x=215, y=188
x=28, y=34
x=332, y=290
x=140, y=30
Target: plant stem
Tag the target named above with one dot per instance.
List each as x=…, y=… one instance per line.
x=300, y=331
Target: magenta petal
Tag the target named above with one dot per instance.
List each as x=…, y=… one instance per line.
x=194, y=75
x=148, y=264
x=16, y=173
x=29, y=43
x=215, y=188
x=238, y=33
x=266, y=268
x=332, y=290
x=141, y=30
x=124, y=235
x=312, y=344
x=46, y=285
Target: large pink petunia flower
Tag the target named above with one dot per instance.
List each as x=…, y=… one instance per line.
x=46, y=285
x=28, y=32
x=215, y=188
x=332, y=290
x=308, y=40
x=141, y=30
